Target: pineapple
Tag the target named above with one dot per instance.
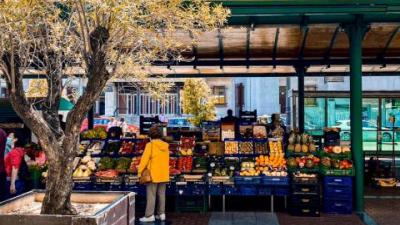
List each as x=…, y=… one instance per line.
x=304, y=139
x=297, y=148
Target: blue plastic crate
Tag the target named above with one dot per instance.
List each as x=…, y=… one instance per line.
x=248, y=190
x=171, y=189
x=281, y=191
x=215, y=189
x=274, y=181
x=116, y=187
x=338, y=192
x=338, y=181
x=98, y=186
x=231, y=190
x=265, y=190
x=190, y=189
x=83, y=186
x=240, y=180
x=338, y=206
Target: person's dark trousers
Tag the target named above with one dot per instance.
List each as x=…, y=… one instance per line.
x=3, y=186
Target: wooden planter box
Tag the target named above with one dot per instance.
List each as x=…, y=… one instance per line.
x=120, y=211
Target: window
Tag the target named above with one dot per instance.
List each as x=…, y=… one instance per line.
x=219, y=93
x=145, y=104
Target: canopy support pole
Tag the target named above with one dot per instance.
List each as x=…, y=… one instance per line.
x=356, y=32
x=90, y=117
x=301, y=70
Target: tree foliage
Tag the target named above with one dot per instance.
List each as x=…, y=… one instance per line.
x=101, y=38
x=198, y=101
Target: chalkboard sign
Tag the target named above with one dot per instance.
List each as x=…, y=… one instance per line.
x=332, y=136
x=248, y=116
x=146, y=123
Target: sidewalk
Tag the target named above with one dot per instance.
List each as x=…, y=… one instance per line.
x=255, y=218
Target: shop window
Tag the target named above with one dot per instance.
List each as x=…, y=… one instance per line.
x=219, y=93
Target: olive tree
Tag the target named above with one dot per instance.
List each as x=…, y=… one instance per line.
x=101, y=38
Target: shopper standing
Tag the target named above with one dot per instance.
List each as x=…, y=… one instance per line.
x=15, y=168
x=3, y=141
x=156, y=159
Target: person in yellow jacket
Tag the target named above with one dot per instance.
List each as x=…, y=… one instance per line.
x=156, y=158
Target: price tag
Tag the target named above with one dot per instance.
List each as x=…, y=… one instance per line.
x=232, y=168
x=212, y=165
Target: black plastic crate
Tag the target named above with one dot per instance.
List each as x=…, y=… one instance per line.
x=306, y=189
x=310, y=201
x=191, y=204
x=305, y=211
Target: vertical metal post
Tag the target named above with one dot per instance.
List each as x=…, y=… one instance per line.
x=90, y=117
x=301, y=70
x=356, y=32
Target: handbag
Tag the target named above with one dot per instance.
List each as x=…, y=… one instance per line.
x=145, y=177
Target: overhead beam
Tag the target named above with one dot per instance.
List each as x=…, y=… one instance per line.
x=221, y=49
x=281, y=62
x=331, y=44
x=308, y=74
x=382, y=55
x=274, y=51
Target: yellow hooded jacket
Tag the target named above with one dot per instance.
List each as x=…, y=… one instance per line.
x=156, y=158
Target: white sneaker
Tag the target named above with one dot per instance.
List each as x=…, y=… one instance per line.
x=161, y=217
x=147, y=219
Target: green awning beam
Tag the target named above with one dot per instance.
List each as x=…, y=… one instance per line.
x=382, y=55
x=274, y=51
x=221, y=49
x=331, y=44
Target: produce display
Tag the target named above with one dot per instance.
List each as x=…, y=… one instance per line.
x=95, y=147
x=106, y=163
x=246, y=147
x=259, y=132
x=301, y=143
x=275, y=147
x=185, y=164
x=96, y=133
x=337, y=149
x=248, y=169
x=231, y=147
x=85, y=168
x=83, y=145
x=127, y=147
x=133, y=167
x=309, y=162
x=112, y=147
x=107, y=174
x=186, y=146
x=260, y=147
x=123, y=164
x=227, y=134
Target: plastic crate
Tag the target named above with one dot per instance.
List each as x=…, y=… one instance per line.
x=231, y=190
x=306, y=189
x=338, y=206
x=337, y=172
x=305, y=211
x=275, y=181
x=338, y=181
x=190, y=189
x=265, y=190
x=338, y=192
x=83, y=186
x=248, y=190
x=191, y=204
x=171, y=189
x=305, y=180
x=215, y=189
x=241, y=180
x=281, y=191
x=101, y=186
x=307, y=201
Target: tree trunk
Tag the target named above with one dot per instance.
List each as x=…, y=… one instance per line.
x=59, y=185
